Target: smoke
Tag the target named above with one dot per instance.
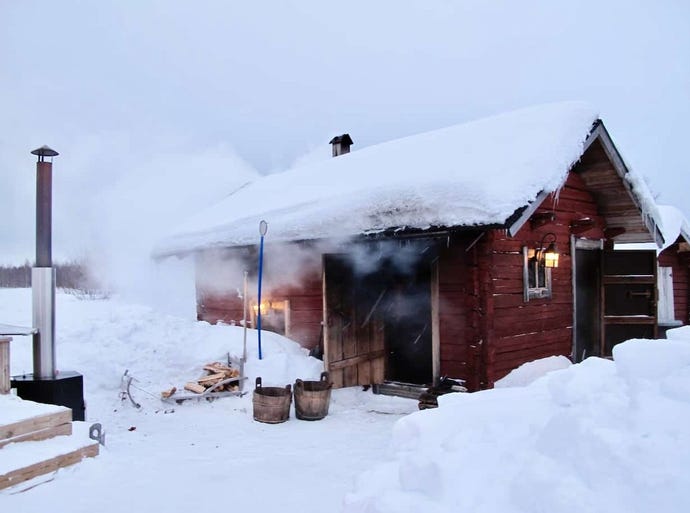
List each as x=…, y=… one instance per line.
x=400, y=256
x=290, y=265
x=127, y=204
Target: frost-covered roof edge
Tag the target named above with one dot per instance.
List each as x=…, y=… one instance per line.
x=647, y=210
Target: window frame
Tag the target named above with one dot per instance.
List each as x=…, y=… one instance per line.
x=533, y=288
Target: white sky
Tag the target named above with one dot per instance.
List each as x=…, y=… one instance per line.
x=165, y=89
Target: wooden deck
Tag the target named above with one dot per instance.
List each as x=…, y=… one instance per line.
x=42, y=443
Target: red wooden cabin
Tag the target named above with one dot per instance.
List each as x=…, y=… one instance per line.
x=473, y=301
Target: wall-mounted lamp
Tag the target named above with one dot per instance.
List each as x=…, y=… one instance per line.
x=547, y=257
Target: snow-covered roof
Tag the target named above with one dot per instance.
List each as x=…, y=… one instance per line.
x=671, y=223
x=474, y=174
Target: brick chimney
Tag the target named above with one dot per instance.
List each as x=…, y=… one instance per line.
x=341, y=144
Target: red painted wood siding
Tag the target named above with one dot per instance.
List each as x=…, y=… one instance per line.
x=525, y=331
x=459, y=290
x=678, y=262
x=306, y=308
x=306, y=303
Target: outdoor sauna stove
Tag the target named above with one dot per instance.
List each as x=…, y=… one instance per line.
x=45, y=384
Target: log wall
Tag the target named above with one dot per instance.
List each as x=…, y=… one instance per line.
x=305, y=300
x=520, y=331
x=459, y=291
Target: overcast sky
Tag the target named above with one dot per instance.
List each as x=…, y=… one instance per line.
x=160, y=107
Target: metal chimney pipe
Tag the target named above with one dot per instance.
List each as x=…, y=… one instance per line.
x=43, y=274
x=44, y=208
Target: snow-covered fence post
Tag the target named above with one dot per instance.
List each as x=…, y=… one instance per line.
x=263, y=228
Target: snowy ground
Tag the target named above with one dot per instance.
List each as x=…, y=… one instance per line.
x=601, y=436
x=196, y=455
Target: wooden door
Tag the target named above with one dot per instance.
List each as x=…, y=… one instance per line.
x=629, y=297
x=353, y=332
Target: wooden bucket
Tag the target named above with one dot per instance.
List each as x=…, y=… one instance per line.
x=271, y=404
x=312, y=398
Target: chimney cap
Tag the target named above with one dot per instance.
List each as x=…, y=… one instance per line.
x=343, y=139
x=45, y=151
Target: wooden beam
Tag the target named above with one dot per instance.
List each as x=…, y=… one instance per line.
x=610, y=233
x=41, y=434
x=348, y=362
x=20, y=475
x=578, y=226
x=36, y=423
x=541, y=218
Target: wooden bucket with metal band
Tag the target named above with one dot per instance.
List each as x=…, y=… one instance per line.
x=312, y=398
x=271, y=404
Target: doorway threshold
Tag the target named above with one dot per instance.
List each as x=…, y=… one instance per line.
x=398, y=389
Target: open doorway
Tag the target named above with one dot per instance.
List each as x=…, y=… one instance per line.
x=587, y=300
x=378, y=315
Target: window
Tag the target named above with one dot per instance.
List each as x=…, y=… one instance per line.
x=536, y=276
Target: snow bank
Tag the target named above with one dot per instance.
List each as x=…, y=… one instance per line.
x=529, y=372
x=600, y=436
x=159, y=351
x=169, y=457
x=437, y=178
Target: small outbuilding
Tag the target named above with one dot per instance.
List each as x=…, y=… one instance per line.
x=673, y=272
x=464, y=252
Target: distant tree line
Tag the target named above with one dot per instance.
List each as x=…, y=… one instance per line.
x=71, y=275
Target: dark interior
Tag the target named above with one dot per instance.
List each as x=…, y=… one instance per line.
x=587, y=304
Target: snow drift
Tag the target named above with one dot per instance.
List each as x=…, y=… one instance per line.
x=608, y=436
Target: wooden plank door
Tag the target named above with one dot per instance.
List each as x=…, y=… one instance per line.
x=353, y=331
x=628, y=296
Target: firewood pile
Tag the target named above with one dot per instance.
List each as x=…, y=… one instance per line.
x=429, y=399
x=216, y=374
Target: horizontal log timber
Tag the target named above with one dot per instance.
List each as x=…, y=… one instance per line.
x=536, y=339
x=598, y=167
x=513, y=300
x=570, y=193
x=541, y=349
x=508, y=328
x=348, y=362
x=512, y=360
x=533, y=311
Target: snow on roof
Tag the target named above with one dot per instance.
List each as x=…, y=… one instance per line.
x=671, y=223
x=477, y=173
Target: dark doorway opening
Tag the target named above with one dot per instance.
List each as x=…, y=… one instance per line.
x=380, y=297
x=587, y=288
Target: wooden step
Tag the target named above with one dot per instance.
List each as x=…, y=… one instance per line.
x=394, y=388
x=22, y=420
x=20, y=462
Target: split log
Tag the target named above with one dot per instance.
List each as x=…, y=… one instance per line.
x=167, y=393
x=212, y=379
x=195, y=387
